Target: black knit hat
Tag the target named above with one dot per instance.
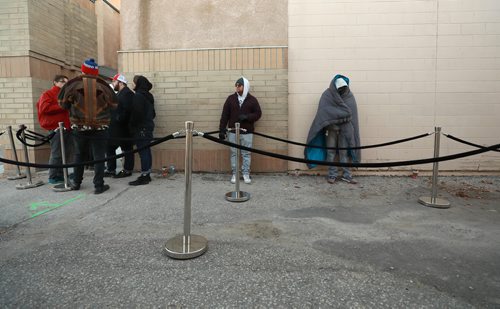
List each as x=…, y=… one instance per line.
x=240, y=81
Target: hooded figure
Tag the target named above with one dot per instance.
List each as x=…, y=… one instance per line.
x=142, y=125
x=143, y=110
x=334, y=108
x=244, y=108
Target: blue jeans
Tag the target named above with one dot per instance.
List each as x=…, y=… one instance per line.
x=334, y=139
x=245, y=140
x=143, y=138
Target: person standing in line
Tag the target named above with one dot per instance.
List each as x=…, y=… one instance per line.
x=49, y=116
x=335, y=126
x=142, y=125
x=244, y=108
x=119, y=129
x=89, y=100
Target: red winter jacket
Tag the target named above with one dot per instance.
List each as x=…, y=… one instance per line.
x=49, y=111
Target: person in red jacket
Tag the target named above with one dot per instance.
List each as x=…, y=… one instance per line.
x=49, y=116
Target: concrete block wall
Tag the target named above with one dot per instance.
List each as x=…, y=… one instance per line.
x=194, y=84
x=14, y=28
x=39, y=39
x=413, y=65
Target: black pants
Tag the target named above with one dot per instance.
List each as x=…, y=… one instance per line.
x=128, y=165
x=95, y=142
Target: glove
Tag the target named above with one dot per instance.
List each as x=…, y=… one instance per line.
x=242, y=117
x=222, y=134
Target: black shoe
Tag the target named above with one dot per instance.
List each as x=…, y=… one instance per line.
x=99, y=190
x=75, y=186
x=123, y=174
x=109, y=174
x=141, y=180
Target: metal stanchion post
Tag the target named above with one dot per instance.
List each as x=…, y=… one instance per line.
x=187, y=246
x=237, y=195
x=14, y=151
x=30, y=184
x=433, y=200
x=64, y=186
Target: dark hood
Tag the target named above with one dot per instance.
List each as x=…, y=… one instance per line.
x=143, y=86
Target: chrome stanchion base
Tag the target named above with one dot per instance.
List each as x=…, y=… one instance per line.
x=176, y=249
x=62, y=187
x=435, y=203
x=29, y=185
x=237, y=196
x=19, y=176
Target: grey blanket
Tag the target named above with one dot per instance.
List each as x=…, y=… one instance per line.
x=339, y=110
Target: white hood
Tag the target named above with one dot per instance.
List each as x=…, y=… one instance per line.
x=246, y=88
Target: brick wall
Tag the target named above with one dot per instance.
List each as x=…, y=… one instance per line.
x=14, y=33
x=39, y=39
x=194, y=84
x=413, y=65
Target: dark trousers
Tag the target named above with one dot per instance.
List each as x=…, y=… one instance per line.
x=95, y=142
x=143, y=138
x=128, y=165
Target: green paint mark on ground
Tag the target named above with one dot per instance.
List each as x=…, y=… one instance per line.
x=47, y=206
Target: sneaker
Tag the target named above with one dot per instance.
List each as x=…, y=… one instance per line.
x=75, y=186
x=55, y=181
x=141, y=180
x=122, y=174
x=109, y=174
x=99, y=190
x=233, y=179
x=349, y=180
x=331, y=179
x=246, y=179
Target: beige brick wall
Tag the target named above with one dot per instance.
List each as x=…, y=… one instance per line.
x=63, y=32
x=108, y=34
x=192, y=85
x=413, y=65
x=14, y=31
x=39, y=39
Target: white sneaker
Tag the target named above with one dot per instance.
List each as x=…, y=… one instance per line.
x=247, y=179
x=233, y=179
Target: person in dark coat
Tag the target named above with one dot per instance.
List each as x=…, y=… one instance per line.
x=244, y=108
x=142, y=125
x=119, y=129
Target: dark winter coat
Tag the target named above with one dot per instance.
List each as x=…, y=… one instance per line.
x=143, y=110
x=120, y=117
x=232, y=110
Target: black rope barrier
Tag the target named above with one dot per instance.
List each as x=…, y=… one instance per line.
x=34, y=137
x=345, y=148
x=37, y=165
x=131, y=139
x=362, y=165
x=466, y=142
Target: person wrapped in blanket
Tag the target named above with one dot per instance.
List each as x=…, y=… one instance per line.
x=335, y=125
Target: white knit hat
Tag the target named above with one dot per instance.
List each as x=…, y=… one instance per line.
x=340, y=82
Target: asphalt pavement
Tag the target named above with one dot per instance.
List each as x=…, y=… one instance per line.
x=299, y=242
